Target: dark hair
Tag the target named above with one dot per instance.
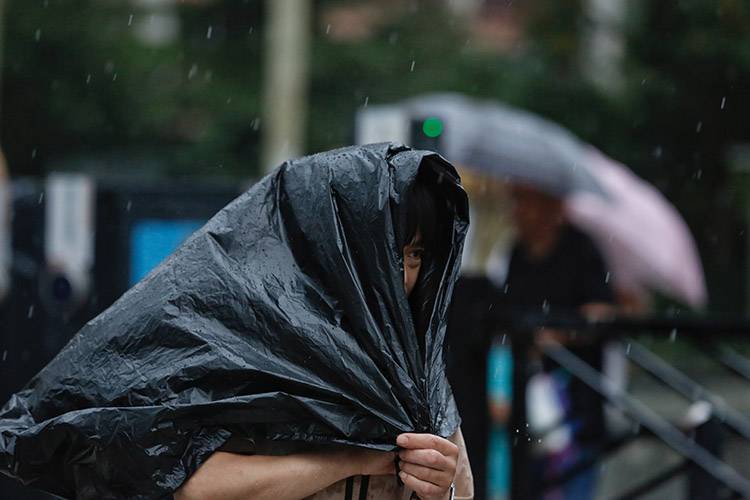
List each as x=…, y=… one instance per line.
x=422, y=215
x=428, y=214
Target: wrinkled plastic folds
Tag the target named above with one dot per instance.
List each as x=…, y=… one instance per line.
x=285, y=315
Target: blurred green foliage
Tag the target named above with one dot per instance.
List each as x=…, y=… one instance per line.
x=77, y=82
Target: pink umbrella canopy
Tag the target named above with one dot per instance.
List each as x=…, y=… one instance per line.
x=644, y=239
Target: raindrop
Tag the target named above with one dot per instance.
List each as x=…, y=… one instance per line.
x=545, y=306
x=209, y=76
x=38, y=35
x=723, y=101
x=130, y=20
x=643, y=82
x=128, y=206
x=5, y=354
x=328, y=28
x=503, y=339
x=255, y=124
x=506, y=288
x=606, y=278
x=413, y=62
x=539, y=440
x=627, y=348
x=114, y=77
x=699, y=174
x=367, y=100
x=658, y=151
x=193, y=71
x=88, y=78
x=250, y=31
x=33, y=153
x=393, y=38
x=209, y=32
x=673, y=335
x=698, y=127
x=41, y=199
x=30, y=313
x=46, y=3
x=229, y=100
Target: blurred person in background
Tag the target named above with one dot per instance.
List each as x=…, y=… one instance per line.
x=555, y=268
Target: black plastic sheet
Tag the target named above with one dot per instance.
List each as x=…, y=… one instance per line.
x=284, y=316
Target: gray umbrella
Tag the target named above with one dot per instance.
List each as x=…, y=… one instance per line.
x=508, y=143
x=646, y=242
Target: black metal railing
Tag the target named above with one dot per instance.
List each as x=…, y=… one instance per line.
x=698, y=445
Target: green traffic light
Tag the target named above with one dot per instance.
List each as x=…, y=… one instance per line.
x=432, y=127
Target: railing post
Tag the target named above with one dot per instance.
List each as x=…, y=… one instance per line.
x=702, y=485
x=520, y=474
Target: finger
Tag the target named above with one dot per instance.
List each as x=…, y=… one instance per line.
x=423, y=489
x=427, y=458
x=414, y=441
x=437, y=477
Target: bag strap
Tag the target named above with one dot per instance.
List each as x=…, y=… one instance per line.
x=363, y=487
x=349, y=488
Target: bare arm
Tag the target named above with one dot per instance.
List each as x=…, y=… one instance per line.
x=229, y=476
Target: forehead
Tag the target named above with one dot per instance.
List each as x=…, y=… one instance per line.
x=417, y=240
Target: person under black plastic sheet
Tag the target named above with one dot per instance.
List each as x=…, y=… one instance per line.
x=284, y=319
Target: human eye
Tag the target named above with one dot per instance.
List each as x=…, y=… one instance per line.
x=414, y=254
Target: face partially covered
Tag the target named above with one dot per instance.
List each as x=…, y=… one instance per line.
x=412, y=262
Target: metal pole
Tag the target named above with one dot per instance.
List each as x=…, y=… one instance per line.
x=520, y=468
x=603, y=47
x=285, y=80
